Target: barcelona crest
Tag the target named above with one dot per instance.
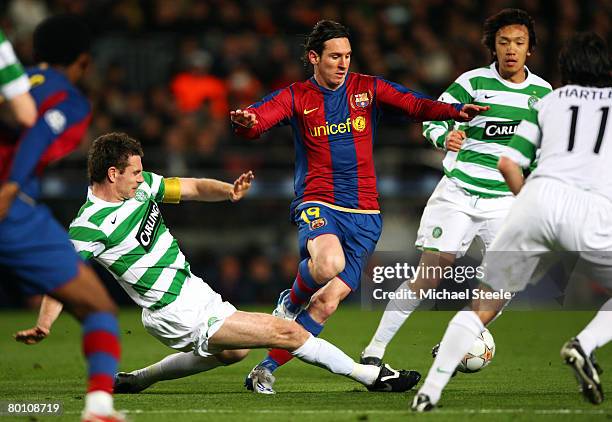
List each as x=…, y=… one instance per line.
x=318, y=223
x=362, y=100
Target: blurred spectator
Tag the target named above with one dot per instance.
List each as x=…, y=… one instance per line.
x=196, y=86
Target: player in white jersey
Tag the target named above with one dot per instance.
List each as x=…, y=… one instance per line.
x=565, y=205
x=120, y=226
x=472, y=198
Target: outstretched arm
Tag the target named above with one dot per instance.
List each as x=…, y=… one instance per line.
x=420, y=108
x=50, y=309
x=267, y=113
x=212, y=190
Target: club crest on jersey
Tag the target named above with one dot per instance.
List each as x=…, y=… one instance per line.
x=318, y=223
x=149, y=227
x=532, y=101
x=141, y=196
x=361, y=100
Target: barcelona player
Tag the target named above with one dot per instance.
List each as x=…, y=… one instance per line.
x=334, y=116
x=32, y=242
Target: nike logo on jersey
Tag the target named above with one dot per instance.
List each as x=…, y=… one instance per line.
x=114, y=219
x=488, y=96
x=311, y=110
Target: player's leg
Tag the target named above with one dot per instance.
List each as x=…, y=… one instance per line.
x=40, y=252
x=176, y=365
x=578, y=353
x=197, y=312
x=360, y=233
x=86, y=298
x=446, y=229
x=325, y=261
x=460, y=335
x=593, y=239
x=399, y=310
x=254, y=330
x=509, y=265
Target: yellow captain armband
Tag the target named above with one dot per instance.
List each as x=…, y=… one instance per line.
x=172, y=193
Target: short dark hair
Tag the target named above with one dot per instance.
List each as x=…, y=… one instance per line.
x=585, y=60
x=503, y=18
x=323, y=30
x=61, y=39
x=110, y=150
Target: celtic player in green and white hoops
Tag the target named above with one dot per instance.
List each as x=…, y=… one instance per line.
x=14, y=85
x=472, y=199
x=565, y=206
x=121, y=227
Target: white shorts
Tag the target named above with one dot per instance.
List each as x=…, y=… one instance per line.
x=188, y=323
x=548, y=219
x=453, y=218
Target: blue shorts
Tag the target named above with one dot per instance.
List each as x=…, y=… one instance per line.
x=36, y=247
x=358, y=234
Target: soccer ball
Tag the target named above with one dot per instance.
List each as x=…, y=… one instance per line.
x=480, y=354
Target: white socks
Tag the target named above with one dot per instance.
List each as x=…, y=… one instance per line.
x=599, y=331
x=396, y=313
x=177, y=365
x=319, y=352
x=459, y=337
x=99, y=403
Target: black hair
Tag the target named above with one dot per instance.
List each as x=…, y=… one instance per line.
x=323, y=30
x=503, y=18
x=585, y=60
x=110, y=150
x=61, y=39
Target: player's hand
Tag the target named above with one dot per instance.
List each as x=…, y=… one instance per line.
x=469, y=111
x=32, y=335
x=243, y=118
x=241, y=186
x=8, y=192
x=454, y=140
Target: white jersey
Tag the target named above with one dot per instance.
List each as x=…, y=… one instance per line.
x=474, y=167
x=574, y=134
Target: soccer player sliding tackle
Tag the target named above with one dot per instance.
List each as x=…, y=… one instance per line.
x=472, y=198
x=121, y=227
x=565, y=205
x=334, y=116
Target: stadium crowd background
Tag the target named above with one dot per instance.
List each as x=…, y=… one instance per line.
x=168, y=72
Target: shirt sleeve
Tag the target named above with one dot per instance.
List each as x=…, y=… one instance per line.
x=459, y=91
x=272, y=110
x=89, y=242
x=56, y=133
x=13, y=79
x=414, y=105
x=523, y=147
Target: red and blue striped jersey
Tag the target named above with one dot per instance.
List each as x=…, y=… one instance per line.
x=334, y=133
x=63, y=117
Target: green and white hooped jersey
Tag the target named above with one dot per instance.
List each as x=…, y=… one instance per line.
x=131, y=241
x=13, y=79
x=474, y=167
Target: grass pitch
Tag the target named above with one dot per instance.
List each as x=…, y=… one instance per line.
x=525, y=381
